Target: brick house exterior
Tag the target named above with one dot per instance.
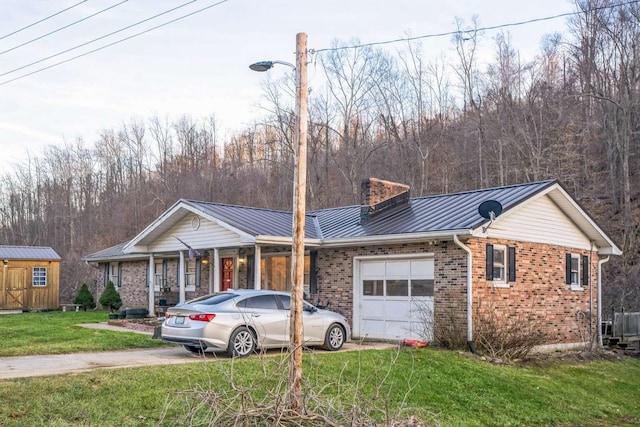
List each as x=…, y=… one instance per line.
x=540, y=260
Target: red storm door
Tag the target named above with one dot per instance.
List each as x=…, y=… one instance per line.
x=227, y=273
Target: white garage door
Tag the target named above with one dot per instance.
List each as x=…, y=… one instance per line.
x=395, y=299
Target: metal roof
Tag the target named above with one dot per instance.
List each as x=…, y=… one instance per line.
x=430, y=214
x=28, y=253
x=439, y=215
x=256, y=221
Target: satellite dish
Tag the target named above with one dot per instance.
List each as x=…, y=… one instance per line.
x=490, y=209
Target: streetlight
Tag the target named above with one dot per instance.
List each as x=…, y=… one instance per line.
x=299, y=193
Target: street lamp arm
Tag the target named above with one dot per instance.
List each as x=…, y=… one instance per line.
x=267, y=65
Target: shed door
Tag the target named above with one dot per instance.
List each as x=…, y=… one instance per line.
x=15, y=288
x=396, y=299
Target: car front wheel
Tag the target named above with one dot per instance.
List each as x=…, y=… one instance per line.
x=242, y=343
x=334, y=339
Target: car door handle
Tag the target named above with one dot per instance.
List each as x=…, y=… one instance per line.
x=255, y=315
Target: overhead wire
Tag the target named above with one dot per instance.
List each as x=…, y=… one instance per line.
x=488, y=28
x=99, y=38
x=113, y=43
x=42, y=20
x=62, y=28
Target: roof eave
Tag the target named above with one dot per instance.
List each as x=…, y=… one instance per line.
x=396, y=238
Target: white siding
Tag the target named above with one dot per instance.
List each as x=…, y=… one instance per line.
x=539, y=221
x=208, y=235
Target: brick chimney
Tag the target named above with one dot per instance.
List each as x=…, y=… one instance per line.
x=377, y=196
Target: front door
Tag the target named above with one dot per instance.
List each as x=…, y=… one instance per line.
x=227, y=274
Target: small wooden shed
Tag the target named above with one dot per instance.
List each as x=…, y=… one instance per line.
x=29, y=278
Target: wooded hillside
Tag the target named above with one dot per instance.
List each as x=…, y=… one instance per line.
x=572, y=113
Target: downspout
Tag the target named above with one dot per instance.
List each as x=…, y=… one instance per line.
x=599, y=318
x=457, y=241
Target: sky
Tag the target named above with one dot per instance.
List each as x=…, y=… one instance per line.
x=198, y=66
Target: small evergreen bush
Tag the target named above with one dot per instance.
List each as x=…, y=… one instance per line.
x=85, y=298
x=110, y=297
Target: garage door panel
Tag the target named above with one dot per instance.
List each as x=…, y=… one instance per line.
x=373, y=308
x=395, y=309
x=373, y=269
x=398, y=269
x=369, y=328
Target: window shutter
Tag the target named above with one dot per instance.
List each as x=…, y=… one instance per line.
x=106, y=274
x=568, y=269
x=146, y=274
x=512, y=265
x=250, y=273
x=313, y=273
x=198, y=266
x=585, y=270
x=119, y=274
x=489, y=266
x=163, y=281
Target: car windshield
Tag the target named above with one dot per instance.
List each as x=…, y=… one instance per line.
x=212, y=299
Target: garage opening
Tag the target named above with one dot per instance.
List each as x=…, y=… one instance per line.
x=394, y=299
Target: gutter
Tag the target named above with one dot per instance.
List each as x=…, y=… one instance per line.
x=457, y=241
x=599, y=317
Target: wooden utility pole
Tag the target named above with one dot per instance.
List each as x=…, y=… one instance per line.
x=297, y=248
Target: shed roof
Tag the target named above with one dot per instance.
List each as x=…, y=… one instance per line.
x=28, y=253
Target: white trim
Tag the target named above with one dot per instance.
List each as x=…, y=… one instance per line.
x=503, y=282
x=151, y=276
x=217, y=270
x=257, y=267
x=181, y=279
x=394, y=238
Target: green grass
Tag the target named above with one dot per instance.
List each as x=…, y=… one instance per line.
x=56, y=332
x=441, y=387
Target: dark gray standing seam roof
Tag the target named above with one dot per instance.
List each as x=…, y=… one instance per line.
x=256, y=221
x=28, y=253
x=428, y=214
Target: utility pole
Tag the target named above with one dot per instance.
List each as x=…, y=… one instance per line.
x=297, y=248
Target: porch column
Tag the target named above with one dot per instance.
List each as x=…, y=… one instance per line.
x=216, y=275
x=213, y=271
x=152, y=286
x=181, y=278
x=256, y=267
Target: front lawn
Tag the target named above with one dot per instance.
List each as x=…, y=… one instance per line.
x=56, y=332
x=440, y=387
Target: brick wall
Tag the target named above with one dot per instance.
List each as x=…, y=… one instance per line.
x=539, y=291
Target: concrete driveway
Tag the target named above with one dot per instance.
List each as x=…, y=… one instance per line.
x=59, y=364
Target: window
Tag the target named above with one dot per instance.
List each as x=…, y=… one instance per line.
x=160, y=275
x=421, y=287
x=39, y=276
x=373, y=288
x=397, y=288
x=262, y=302
x=190, y=275
x=276, y=272
x=115, y=272
x=577, y=271
x=501, y=264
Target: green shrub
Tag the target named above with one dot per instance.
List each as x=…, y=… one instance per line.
x=85, y=298
x=110, y=297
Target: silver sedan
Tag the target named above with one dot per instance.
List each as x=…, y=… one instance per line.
x=241, y=321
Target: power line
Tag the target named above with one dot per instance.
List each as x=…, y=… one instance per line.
x=99, y=38
x=42, y=20
x=62, y=28
x=458, y=32
x=114, y=43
